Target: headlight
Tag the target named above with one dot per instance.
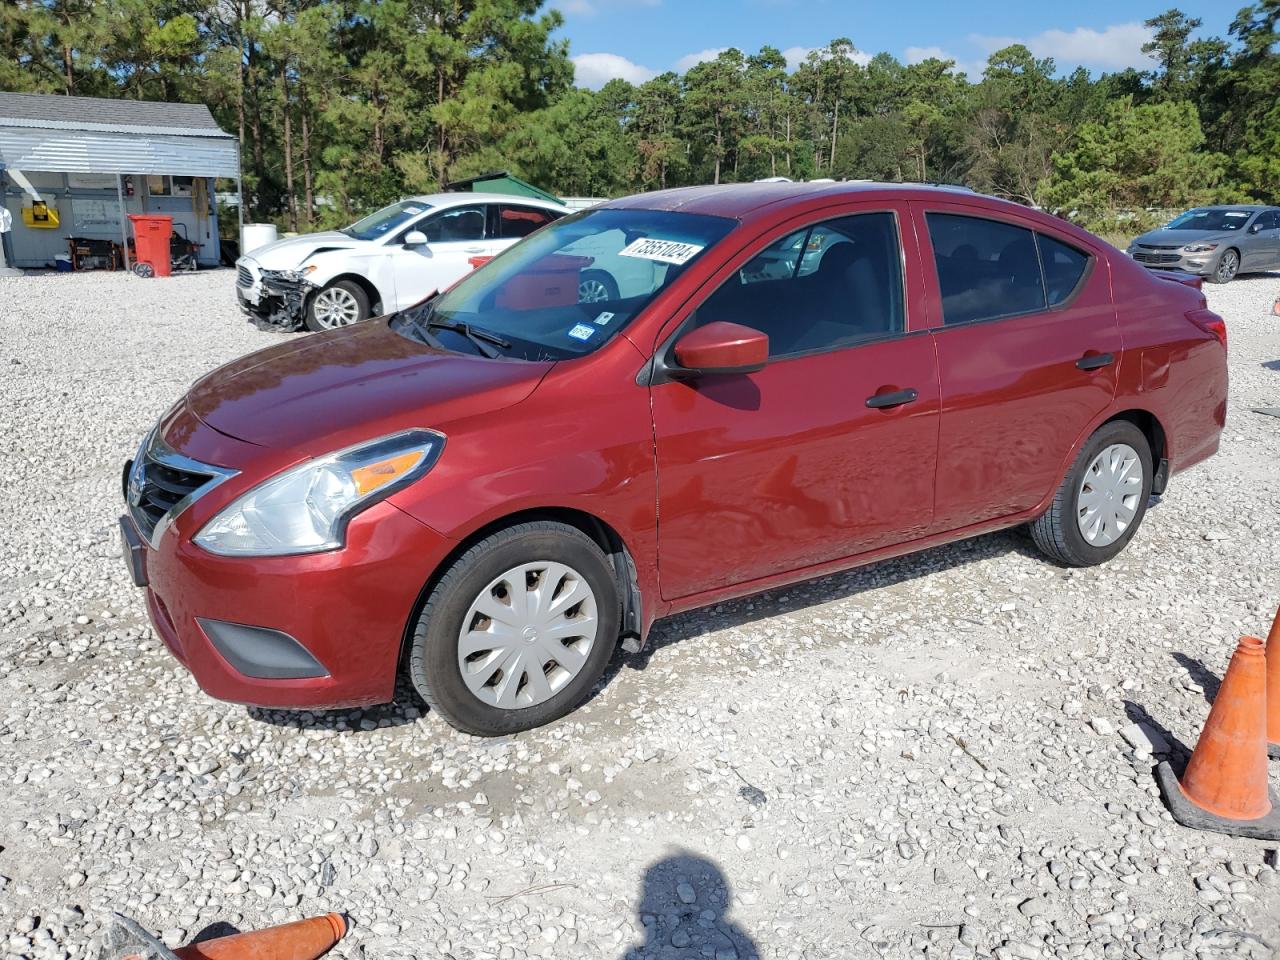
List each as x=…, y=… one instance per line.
x=306, y=508
x=1199, y=247
x=299, y=274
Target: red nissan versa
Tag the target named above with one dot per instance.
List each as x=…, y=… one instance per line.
x=650, y=406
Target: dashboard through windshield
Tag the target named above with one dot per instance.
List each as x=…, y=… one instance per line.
x=567, y=289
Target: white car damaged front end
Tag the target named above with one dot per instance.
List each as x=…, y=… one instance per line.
x=275, y=284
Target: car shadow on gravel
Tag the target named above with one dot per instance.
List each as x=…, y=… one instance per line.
x=814, y=593
x=406, y=708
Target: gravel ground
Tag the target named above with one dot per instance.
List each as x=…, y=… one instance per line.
x=931, y=757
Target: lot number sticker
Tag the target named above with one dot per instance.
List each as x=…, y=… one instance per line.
x=663, y=251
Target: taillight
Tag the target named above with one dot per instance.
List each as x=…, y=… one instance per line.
x=1209, y=321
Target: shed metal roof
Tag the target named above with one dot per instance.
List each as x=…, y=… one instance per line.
x=49, y=112
x=56, y=134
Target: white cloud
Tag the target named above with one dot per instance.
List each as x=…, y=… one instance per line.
x=702, y=56
x=797, y=55
x=1113, y=48
x=594, y=70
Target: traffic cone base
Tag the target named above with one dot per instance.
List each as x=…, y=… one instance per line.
x=1190, y=815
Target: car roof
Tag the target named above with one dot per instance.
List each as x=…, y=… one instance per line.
x=740, y=199
x=461, y=197
x=1232, y=206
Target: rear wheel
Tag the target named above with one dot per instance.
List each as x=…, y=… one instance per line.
x=596, y=286
x=337, y=305
x=517, y=631
x=1227, y=268
x=1101, y=501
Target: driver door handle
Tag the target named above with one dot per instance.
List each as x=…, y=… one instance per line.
x=1095, y=361
x=881, y=401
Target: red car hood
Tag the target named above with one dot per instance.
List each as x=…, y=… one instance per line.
x=327, y=391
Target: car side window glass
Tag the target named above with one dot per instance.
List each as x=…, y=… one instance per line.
x=1063, y=267
x=521, y=221
x=831, y=285
x=455, y=224
x=986, y=268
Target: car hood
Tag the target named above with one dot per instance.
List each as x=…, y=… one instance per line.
x=324, y=392
x=288, y=254
x=1180, y=238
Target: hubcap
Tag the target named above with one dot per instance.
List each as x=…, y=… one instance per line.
x=592, y=291
x=335, y=307
x=527, y=634
x=1108, y=498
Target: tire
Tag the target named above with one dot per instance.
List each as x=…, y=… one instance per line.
x=337, y=305
x=596, y=286
x=1061, y=531
x=1227, y=267
x=479, y=578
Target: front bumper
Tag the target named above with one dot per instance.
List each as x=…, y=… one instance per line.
x=272, y=300
x=320, y=631
x=1199, y=264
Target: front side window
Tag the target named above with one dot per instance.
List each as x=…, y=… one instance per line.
x=455, y=225
x=827, y=286
x=567, y=289
x=986, y=268
x=1210, y=219
x=387, y=220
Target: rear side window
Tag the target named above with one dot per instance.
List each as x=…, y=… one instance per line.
x=455, y=224
x=1063, y=268
x=521, y=221
x=986, y=268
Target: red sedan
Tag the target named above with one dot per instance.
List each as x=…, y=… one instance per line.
x=650, y=406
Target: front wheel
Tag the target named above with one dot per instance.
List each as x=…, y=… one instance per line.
x=517, y=631
x=1102, y=499
x=337, y=305
x=1227, y=268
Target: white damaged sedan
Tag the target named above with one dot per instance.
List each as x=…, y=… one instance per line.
x=388, y=261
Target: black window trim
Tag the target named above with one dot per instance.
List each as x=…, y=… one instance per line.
x=1036, y=231
x=653, y=372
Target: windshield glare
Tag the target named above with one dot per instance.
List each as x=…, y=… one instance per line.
x=1210, y=220
x=387, y=220
x=571, y=286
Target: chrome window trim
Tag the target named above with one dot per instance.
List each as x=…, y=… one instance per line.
x=154, y=447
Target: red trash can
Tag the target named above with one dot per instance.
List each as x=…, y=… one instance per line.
x=151, y=234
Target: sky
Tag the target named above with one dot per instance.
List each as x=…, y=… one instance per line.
x=638, y=39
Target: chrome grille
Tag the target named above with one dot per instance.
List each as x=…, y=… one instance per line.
x=162, y=483
x=243, y=277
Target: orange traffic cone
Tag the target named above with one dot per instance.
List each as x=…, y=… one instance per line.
x=301, y=940
x=1224, y=787
x=1275, y=307
x=1273, y=689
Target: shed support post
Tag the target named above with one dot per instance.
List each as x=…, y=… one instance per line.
x=240, y=216
x=124, y=230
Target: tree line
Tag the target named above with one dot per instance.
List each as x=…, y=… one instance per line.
x=344, y=105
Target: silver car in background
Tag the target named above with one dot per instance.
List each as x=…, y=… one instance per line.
x=1216, y=243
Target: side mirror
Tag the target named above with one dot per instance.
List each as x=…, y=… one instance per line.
x=720, y=347
x=415, y=238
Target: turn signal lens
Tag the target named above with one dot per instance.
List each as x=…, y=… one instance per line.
x=378, y=475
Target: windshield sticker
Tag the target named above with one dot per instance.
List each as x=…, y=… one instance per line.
x=603, y=319
x=1237, y=213
x=414, y=211
x=582, y=331
x=663, y=251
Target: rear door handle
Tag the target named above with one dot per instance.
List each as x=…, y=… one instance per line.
x=879, y=401
x=1095, y=361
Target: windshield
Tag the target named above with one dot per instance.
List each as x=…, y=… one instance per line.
x=1211, y=220
x=569, y=287
x=387, y=220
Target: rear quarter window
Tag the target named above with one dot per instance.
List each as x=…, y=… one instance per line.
x=1064, y=267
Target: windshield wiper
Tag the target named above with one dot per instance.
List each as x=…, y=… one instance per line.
x=423, y=323
x=481, y=338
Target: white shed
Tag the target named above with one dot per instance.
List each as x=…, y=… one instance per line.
x=77, y=166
